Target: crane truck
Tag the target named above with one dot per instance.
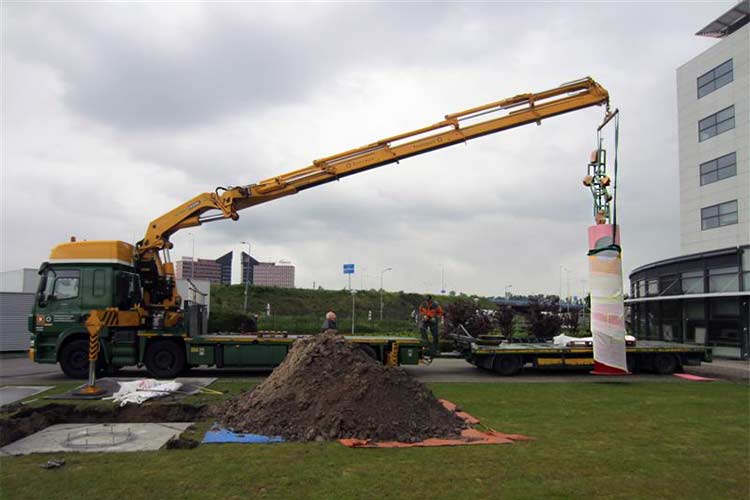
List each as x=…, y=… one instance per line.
x=110, y=304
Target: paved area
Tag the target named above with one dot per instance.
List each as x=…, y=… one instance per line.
x=12, y=394
x=21, y=371
x=96, y=438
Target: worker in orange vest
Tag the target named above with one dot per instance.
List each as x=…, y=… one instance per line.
x=429, y=313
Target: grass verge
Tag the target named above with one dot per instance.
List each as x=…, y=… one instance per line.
x=602, y=440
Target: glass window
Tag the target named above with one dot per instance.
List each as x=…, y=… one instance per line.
x=641, y=320
x=669, y=285
x=716, y=78
x=694, y=309
x=692, y=282
x=66, y=285
x=725, y=308
x=725, y=279
x=642, y=288
x=716, y=124
x=718, y=169
x=723, y=214
x=723, y=334
x=653, y=287
x=653, y=321
x=98, y=282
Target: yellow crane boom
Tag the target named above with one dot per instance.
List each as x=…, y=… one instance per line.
x=225, y=203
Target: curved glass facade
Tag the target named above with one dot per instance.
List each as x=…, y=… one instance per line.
x=701, y=298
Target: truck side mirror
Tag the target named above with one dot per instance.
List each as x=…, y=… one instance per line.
x=41, y=296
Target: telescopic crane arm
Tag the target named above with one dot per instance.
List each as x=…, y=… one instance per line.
x=225, y=203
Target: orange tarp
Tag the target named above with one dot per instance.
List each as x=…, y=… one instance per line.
x=468, y=436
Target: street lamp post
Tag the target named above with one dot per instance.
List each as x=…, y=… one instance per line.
x=381, y=290
x=559, y=297
x=192, y=256
x=247, y=271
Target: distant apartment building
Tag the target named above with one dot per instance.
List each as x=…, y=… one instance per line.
x=270, y=274
x=225, y=261
x=198, y=269
x=703, y=295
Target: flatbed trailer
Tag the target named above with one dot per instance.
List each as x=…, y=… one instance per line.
x=268, y=349
x=166, y=354
x=642, y=356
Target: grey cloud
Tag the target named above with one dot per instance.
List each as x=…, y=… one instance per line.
x=201, y=105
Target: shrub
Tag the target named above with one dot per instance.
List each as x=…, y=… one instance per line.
x=571, y=319
x=544, y=321
x=504, y=319
x=466, y=313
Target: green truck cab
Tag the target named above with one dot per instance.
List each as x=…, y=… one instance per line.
x=100, y=275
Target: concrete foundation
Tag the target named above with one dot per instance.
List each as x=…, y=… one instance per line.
x=101, y=438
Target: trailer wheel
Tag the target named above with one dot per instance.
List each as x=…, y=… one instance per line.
x=165, y=359
x=507, y=365
x=74, y=359
x=665, y=364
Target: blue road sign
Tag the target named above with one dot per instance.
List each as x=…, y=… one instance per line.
x=348, y=268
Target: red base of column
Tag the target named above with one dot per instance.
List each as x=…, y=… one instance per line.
x=602, y=369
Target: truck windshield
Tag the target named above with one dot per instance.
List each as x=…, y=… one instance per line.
x=65, y=285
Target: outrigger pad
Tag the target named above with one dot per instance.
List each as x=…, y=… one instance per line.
x=190, y=386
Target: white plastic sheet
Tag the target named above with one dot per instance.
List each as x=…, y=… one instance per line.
x=142, y=390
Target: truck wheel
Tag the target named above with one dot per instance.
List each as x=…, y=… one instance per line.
x=507, y=365
x=165, y=359
x=74, y=359
x=665, y=364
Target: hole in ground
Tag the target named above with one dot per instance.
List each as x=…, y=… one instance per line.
x=30, y=420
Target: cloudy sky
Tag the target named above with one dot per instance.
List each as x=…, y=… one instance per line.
x=114, y=114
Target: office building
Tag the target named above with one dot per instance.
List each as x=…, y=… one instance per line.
x=248, y=263
x=225, y=261
x=270, y=274
x=703, y=295
x=198, y=269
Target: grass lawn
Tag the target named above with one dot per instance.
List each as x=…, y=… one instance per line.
x=593, y=440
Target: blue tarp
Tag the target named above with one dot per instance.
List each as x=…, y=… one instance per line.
x=219, y=435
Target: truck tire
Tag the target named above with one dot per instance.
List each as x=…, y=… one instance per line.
x=665, y=364
x=74, y=359
x=165, y=359
x=507, y=365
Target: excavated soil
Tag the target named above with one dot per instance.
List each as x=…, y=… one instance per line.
x=329, y=388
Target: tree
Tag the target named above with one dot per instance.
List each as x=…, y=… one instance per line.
x=466, y=313
x=544, y=321
x=571, y=319
x=504, y=319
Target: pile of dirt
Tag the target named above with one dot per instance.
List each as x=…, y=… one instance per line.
x=329, y=388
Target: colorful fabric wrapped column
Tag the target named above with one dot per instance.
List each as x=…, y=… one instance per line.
x=607, y=308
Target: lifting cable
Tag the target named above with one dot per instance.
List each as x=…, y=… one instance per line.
x=614, y=184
